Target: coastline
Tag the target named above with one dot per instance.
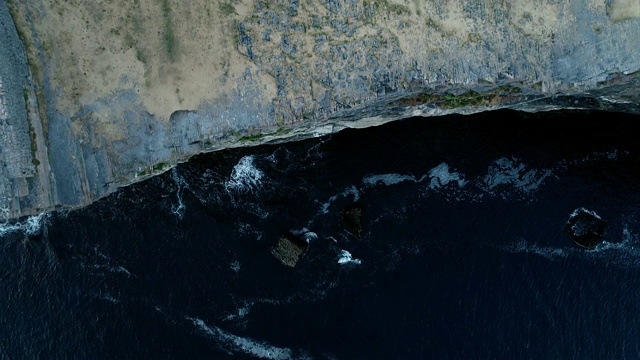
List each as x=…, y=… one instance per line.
x=57, y=159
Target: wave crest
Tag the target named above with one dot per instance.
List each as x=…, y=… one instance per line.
x=30, y=227
x=245, y=176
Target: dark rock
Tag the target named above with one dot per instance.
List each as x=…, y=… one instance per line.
x=292, y=10
x=290, y=249
x=351, y=217
x=586, y=228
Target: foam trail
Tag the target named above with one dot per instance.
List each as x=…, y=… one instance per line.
x=178, y=210
x=248, y=346
x=508, y=172
x=244, y=176
x=521, y=246
x=441, y=176
x=325, y=206
x=625, y=253
x=31, y=226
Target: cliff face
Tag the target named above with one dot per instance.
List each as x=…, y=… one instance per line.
x=97, y=95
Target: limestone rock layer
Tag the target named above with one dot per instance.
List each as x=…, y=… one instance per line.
x=97, y=95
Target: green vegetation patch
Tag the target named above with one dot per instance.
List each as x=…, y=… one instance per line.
x=32, y=131
x=256, y=137
x=168, y=37
x=469, y=98
x=227, y=9
x=161, y=166
x=398, y=9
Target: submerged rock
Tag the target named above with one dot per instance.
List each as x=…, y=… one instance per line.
x=351, y=217
x=586, y=228
x=290, y=249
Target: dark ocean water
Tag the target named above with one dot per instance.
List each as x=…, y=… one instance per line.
x=462, y=254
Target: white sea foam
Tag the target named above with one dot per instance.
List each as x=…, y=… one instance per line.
x=110, y=269
x=305, y=234
x=123, y=270
x=522, y=246
x=509, y=172
x=352, y=190
x=599, y=156
x=387, y=179
x=179, y=209
x=236, y=343
x=347, y=258
x=590, y=212
x=235, y=266
x=441, y=176
x=325, y=206
x=110, y=299
x=31, y=226
x=245, y=177
x=240, y=312
x=625, y=253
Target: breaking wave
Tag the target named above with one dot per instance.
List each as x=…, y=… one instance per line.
x=30, y=227
x=439, y=176
x=245, y=176
x=347, y=258
x=522, y=246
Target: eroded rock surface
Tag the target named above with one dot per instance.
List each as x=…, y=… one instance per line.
x=101, y=94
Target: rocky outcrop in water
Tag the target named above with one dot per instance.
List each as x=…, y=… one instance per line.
x=100, y=95
x=586, y=228
x=351, y=218
x=290, y=249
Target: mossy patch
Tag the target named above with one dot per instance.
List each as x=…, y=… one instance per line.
x=469, y=98
x=256, y=137
x=32, y=131
x=227, y=9
x=168, y=36
x=161, y=166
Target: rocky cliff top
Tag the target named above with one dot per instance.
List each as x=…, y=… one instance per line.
x=100, y=94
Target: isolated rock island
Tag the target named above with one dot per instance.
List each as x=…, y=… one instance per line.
x=98, y=95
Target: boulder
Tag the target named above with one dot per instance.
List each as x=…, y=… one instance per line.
x=586, y=228
x=290, y=249
x=351, y=217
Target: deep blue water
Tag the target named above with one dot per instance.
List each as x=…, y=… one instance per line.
x=462, y=255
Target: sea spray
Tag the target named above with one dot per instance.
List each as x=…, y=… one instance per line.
x=178, y=209
x=30, y=227
x=245, y=177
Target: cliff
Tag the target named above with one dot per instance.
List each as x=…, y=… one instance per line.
x=97, y=95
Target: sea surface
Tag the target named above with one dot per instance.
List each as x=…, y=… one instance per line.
x=462, y=253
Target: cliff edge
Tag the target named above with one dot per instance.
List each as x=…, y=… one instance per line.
x=97, y=95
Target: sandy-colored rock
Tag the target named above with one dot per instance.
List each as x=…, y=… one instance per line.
x=117, y=91
x=290, y=249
